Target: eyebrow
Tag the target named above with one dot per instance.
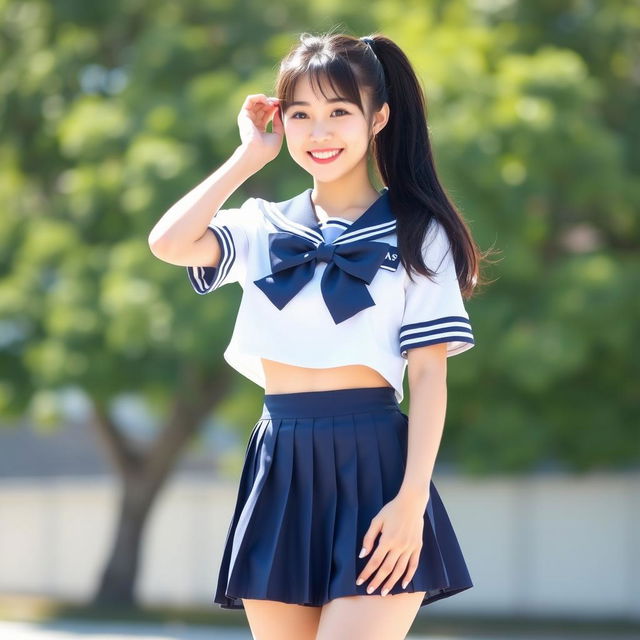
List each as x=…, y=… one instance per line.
x=301, y=102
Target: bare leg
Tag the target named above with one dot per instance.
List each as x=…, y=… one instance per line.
x=371, y=617
x=271, y=620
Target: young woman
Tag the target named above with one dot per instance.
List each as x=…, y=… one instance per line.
x=331, y=315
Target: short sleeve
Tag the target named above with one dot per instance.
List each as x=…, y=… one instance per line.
x=234, y=229
x=434, y=310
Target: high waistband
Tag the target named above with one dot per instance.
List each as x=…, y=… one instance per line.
x=329, y=402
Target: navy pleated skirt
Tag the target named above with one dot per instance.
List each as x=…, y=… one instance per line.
x=319, y=465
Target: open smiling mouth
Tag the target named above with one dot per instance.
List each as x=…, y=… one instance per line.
x=329, y=157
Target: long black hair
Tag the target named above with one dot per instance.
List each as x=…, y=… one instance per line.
x=401, y=150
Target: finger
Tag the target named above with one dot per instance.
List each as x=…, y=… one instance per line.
x=255, y=105
x=371, y=535
x=411, y=568
x=262, y=115
x=384, y=571
x=375, y=559
x=268, y=108
x=373, y=564
x=253, y=98
x=263, y=102
x=266, y=119
x=278, y=126
x=399, y=569
x=253, y=112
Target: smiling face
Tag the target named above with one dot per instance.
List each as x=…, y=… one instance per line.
x=315, y=123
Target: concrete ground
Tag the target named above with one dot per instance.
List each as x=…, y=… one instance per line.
x=76, y=629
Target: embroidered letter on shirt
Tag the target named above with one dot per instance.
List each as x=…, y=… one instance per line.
x=392, y=259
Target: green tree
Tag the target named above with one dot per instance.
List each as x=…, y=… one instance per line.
x=533, y=111
x=112, y=111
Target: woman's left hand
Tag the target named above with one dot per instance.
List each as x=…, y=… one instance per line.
x=400, y=523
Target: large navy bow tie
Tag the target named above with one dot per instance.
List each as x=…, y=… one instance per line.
x=350, y=265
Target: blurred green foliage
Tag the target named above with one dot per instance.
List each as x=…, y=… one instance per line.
x=112, y=111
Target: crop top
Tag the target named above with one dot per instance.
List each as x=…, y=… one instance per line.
x=331, y=293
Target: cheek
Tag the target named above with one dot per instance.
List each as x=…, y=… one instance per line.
x=355, y=132
x=292, y=138
x=295, y=145
x=294, y=135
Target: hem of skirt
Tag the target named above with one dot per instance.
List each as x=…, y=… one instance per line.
x=436, y=594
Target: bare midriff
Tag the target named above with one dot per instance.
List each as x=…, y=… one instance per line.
x=286, y=378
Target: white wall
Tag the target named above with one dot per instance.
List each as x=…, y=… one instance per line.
x=548, y=545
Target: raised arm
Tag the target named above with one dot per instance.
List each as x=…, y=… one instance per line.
x=180, y=236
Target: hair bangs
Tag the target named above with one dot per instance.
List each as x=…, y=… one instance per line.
x=325, y=73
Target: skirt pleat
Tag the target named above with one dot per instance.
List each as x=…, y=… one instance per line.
x=318, y=467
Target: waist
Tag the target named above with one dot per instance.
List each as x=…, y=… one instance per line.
x=288, y=377
x=329, y=402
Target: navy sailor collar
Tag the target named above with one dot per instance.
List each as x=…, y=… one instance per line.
x=297, y=216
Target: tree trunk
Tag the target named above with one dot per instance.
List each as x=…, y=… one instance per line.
x=117, y=584
x=143, y=473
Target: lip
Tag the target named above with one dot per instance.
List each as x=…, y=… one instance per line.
x=325, y=160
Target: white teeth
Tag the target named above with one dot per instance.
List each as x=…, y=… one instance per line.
x=325, y=154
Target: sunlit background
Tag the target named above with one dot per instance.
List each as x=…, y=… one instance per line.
x=123, y=428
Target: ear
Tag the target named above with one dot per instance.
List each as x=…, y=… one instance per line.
x=380, y=118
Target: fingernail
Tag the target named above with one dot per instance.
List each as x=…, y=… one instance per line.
x=363, y=552
x=359, y=581
x=385, y=591
x=404, y=585
x=369, y=589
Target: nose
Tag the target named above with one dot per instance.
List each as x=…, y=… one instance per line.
x=320, y=133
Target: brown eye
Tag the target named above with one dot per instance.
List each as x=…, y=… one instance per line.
x=301, y=112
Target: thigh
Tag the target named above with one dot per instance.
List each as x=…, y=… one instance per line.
x=370, y=617
x=272, y=620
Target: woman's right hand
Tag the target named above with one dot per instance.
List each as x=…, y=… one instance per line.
x=253, y=118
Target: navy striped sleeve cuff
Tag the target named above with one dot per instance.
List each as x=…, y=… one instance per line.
x=454, y=329
x=206, y=279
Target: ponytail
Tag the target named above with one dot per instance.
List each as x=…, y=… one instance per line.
x=401, y=150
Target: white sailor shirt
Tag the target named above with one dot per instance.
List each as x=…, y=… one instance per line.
x=331, y=293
